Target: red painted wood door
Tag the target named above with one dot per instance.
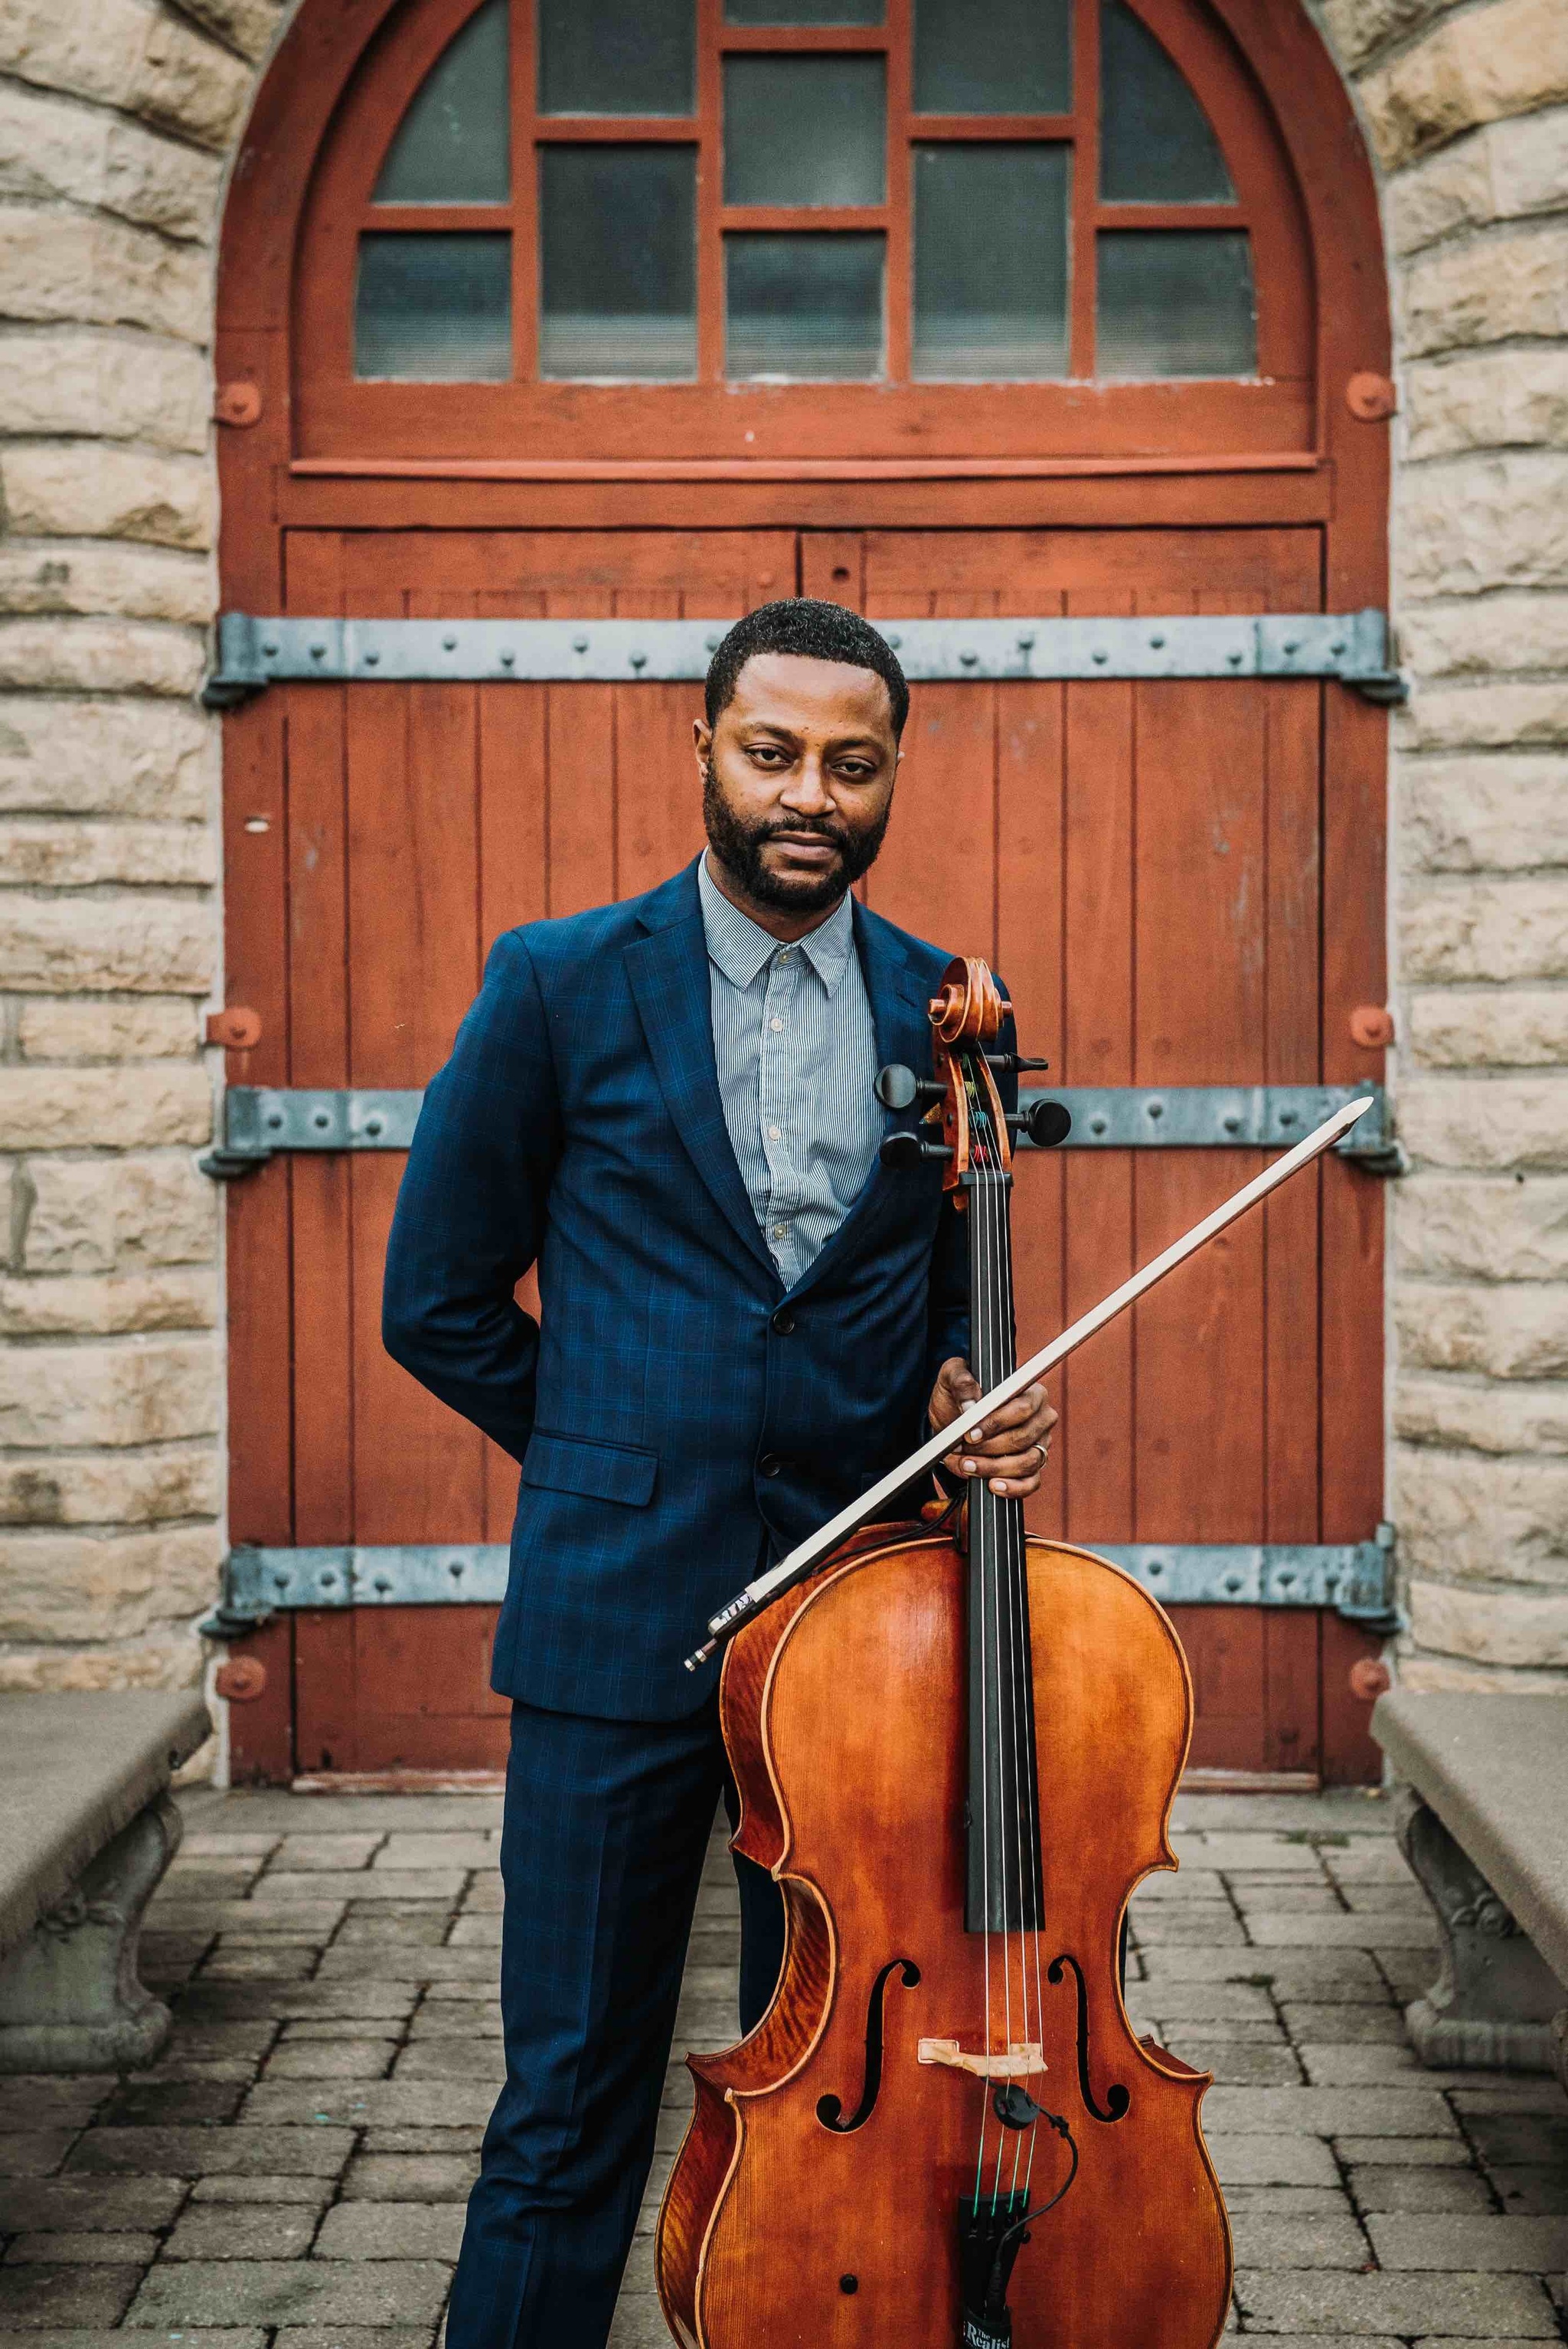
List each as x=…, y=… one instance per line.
x=1142, y=862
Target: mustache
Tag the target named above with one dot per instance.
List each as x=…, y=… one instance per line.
x=837, y=833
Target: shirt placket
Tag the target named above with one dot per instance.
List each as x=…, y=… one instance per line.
x=778, y=1106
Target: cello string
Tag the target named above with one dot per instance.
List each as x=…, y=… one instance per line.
x=986, y=1202
x=977, y=1562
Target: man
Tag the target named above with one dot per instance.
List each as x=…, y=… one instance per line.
x=668, y=1105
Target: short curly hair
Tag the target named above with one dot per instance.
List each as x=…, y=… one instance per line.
x=812, y=631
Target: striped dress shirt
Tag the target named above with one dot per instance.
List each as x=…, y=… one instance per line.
x=796, y=1055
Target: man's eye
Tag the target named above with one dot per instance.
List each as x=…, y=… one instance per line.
x=767, y=754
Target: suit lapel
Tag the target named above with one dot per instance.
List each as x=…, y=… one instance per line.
x=668, y=974
x=902, y=1029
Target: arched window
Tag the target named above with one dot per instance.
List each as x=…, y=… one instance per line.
x=895, y=202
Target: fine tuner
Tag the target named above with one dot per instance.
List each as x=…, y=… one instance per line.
x=1045, y=1122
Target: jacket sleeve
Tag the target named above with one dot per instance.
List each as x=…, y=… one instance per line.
x=471, y=1209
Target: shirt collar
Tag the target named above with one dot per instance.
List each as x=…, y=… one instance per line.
x=740, y=946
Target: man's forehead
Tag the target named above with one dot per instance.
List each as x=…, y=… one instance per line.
x=795, y=688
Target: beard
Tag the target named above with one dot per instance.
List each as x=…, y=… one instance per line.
x=740, y=848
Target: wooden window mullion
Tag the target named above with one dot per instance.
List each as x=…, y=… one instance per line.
x=1084, y=192
x=709, y=192
x=898, y=280
x=525, y=272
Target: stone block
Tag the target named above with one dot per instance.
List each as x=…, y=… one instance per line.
x=102, y=1305
x=54, y=852
x=154, y=496
x=143, y=582
x=160, y=1101
x=1459, y=2307
x=65, y=1029
x=1507, y=714
x=36, y=2298
x=1297, y=2242
x=1390, y=2185
x=290, y=2292
x=83, y=2250
x=359, y=2103
x=118, y=386
x=1264, y=2160
x=248, y=26
x=1493, y=1627
x=1456, y=1028
x=337, y=2059
x=66, y=655
x=138, y=942
x=412, y=1852
x=1512, y=1123
x=267, y=2231
x=146, y=1390
x=95, y=1214
x=62, y=1586
x=86, y=269
x=108, y=1488
x=1358, y=29
x=143, y=758
x=1449, y=190
x=1376, y=1930
x=1451, y=1227
x=52, y=150
x=188, y=84
x=1508, y=283
x=90, y=47
x=1474, y=523
x=1487, y=2243
x=1513, y=630
x=1467, y=930
x=1490, y=813
x=426, y=2178
x=1486, y=400
x=1505, y=60
x=1463, y=1416
x=397, y=2231
x=75, y=2206
x=1463, y=1517
x=1382, y=2112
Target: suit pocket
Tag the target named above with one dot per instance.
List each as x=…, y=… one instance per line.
x=600, y=1472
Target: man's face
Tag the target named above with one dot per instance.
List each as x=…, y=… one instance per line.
x=798, y=776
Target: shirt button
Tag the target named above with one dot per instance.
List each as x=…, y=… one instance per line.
x=777, y=1025
x=784, y=1322
x=780, y=1231
x=771, y=1464
x=775, y=1133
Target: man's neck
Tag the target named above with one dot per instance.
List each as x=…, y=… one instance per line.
x=786, y=928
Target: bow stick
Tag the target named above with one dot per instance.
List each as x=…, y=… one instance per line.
x=826, y=1540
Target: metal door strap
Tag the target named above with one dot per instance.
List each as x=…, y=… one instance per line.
x=255, y=651
x=1356, y=1579
x=260, y=1120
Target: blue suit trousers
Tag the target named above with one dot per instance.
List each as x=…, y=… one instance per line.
x=601, y=1854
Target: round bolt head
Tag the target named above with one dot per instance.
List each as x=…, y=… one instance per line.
x=1372, y=1027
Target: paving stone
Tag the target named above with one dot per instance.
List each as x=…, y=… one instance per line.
x=226, y=2152
x=1209, y=2002
x=1462, y=2239
x=32, y=2101
x=485, y=1896
x=33, y=2153
x=410, y=2178
x=1297, y=2242
x=452, y=2059
x=354, y=2000
x=153, y=2104
x=1288, y=2201
x=1419, y=2153
x=1181, y=2031
x=1235, y=2066
x=1405, y=1900
x=1200, y=1924
x=1373, y=1930
x=352, y=2336
x=367, y=1929
x=34, y=2297
x=223, y=1843
x=1272, y=2161
x=439, y=1851
x=378, y=1884
x=414, y=1965
x=1467, y=2307
x=272, y=2230
x=1259, y=1853
x=77, y=2205
x=315, y=2191
x=639, y=2322
x=330, y=2059
x=192, y=2337
x=449, y=2019
x=476, y=1932
x=355, y=2103
x=1529, y=2139
x=1390, y=2185
x=1331, y=2112
x=1285, y=1896
x=1360, y=2064
x=270, y=1911
x=1479, y=2092
x=391, y=2230
x=1321, y=1975
x=80, y=2250
x=1311, y=2024
x=1532, y=2192
x=422, y=2140
x=317, y=1853
x=1409, y=1973
x=273, y=1963
x=290, y=2292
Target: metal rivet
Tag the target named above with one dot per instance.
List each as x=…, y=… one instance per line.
x=1337, y=647
x=579, y=644
x=969, y=657
x=1232, y=1124
x=1158, y=642
x=1156, y=1565
x=274, y=1120
x=1232, y=1581
x=321, y=1120
x=318, y=652
x=383, y=1585
x=1235, y=659
x=1099, y=653
x=271, y=651
x=711, y=644
x=895, y=642
x=1287, y=1117
x=639, y=660
x=1154, y=1109
x=507, y=657
x=1291, y=645
x=371, y=658
x=373, y=1125
x=1025, y=642
x=448, y=644
x=1099, y=1124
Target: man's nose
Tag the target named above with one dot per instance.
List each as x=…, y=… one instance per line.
x=807, y=788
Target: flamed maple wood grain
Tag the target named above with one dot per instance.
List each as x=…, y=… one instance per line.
x=861, y=1727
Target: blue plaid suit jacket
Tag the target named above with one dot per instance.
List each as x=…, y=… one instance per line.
x=678, y=1412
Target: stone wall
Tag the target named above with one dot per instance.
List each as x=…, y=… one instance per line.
x=117, y=118
x=1467, y=112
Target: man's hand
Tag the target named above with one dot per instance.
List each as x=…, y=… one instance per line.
x=1009, y=1448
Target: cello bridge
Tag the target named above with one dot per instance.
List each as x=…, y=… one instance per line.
x=1020, y=2062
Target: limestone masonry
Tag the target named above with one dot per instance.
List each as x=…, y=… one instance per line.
x=116, y=120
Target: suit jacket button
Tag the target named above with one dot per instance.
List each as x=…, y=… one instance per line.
x=784, y=1321
x=769, y=1465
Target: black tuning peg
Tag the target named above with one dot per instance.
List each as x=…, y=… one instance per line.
x=1010, y=1062
x=898, y=1087
x=1047, y=1123
x=901, y=1152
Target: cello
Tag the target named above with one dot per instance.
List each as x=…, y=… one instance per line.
x=956, y=1747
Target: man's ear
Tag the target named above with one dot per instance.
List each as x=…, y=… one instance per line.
x=702, y=743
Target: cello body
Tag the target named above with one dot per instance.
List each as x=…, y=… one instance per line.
x=813, y=2203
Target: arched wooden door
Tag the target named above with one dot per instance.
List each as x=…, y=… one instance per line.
x=985, y=310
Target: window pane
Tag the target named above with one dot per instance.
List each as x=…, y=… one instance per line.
x=805, y=130
x=452, y=146
x=618, y=244
x=990, y=306
x=1005, y=56
x=1156, y=146
x=806, y=308
x=433, y=309
x=617, y=56
x=803, y=12
x=1175, y=302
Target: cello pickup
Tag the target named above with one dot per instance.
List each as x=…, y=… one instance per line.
x=1019, y=2063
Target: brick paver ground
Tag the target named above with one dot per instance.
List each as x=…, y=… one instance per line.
x=292, y=2174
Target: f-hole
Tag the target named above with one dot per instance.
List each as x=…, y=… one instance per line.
x=829, y=2109
x=1117, y=2099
